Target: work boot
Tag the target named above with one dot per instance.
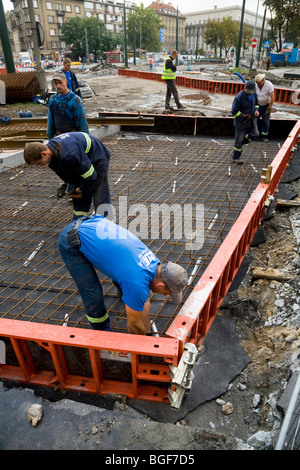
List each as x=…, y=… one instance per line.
x=181, y=106
x=238, y=161
x=169, y=109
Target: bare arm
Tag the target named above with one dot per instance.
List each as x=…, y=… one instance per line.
x=138, y=322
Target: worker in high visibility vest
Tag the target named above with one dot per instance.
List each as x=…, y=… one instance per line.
x=169, y=76
x=150, y=60
x=79, y=159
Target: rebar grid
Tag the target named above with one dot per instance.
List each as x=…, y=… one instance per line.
x=34, y=283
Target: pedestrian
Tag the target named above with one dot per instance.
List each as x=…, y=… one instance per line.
x=79, y=159
x=266, y=96
x=268, y=63
x=97, y=243
x=245, y=113
x=150, y=60
x=169, y=76
x=71, y=77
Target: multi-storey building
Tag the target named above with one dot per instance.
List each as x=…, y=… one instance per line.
x=195, y=24
x=52, y=15
x=169, y=16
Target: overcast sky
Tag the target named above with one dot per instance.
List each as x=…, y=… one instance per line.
x=188, y=6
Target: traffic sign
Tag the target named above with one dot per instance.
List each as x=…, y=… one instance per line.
x=267, y=44
x=254, y=43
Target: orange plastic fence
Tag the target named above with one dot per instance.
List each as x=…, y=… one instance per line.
x=282, y=95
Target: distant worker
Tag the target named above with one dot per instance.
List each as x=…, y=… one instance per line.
x=245, y=113
x=71, y=77
x=268, y=62
x=150, y=60
x=99, y=243
x=79, y=159
x=266, y=96
x=169, y=76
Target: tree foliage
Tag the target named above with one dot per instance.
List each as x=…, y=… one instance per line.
x=285, y=21
x=73, y=33
x=224, y=34
x=146, y=26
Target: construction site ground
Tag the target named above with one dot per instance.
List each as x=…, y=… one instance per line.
x=249, y=414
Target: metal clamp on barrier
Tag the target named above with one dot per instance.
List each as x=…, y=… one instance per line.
x=182, y=375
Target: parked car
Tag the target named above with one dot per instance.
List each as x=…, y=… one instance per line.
x=86, y=90
x=131, y=60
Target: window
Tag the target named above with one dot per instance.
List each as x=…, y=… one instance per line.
x=35, y=4
x=59, y=6
x=49, y=6
x=52, y=32
x=50, y=19
x=53, y=44
x=68, y=8
x=77, y=9
x=37, y=18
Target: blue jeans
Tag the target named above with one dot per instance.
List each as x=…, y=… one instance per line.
x=86, y=280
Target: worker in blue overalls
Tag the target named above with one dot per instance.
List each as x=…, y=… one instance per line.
x=245, y=112
x=79, y=159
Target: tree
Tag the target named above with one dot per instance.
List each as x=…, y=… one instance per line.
x=73, y=32
x=146, y=25
x=224, y=34
x=285, y=21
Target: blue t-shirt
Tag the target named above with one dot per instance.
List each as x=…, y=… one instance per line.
x=69, y=80
x=120, y=255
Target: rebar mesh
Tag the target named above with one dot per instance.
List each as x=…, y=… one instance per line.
x=34, y=283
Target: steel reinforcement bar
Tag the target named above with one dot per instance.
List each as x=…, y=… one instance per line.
x=149, y=364
x=282, y=95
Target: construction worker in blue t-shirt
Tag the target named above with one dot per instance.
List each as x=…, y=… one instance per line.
x=97, y=243
x=79, y=159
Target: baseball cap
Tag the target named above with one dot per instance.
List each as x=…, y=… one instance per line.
x=259, y=77
x=59, y=76
x=176, y=279
x=251, y=86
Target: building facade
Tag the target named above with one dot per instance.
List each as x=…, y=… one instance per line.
x=52, y=15
x=168, y=15
x=195, y=24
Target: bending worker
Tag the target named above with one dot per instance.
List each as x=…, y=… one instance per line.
x=245, y=113
x=79, y=159
x=97, y=242
x=169, y=76
x=266, y=96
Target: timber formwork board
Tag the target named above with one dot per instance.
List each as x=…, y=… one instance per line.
x=145, y=170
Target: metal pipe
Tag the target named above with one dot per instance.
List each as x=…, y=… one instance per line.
x=288, y=416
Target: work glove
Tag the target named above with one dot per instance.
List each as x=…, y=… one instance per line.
x=61, y=190
x=75, y=193
x=247, y=117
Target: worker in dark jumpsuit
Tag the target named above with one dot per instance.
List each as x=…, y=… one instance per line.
x=245, y=113
x=79, y=159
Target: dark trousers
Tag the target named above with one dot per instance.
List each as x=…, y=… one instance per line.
x=265, y=118
x=242, y=137
x=171, y=90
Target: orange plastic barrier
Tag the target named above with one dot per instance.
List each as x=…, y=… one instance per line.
x=282, y=95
